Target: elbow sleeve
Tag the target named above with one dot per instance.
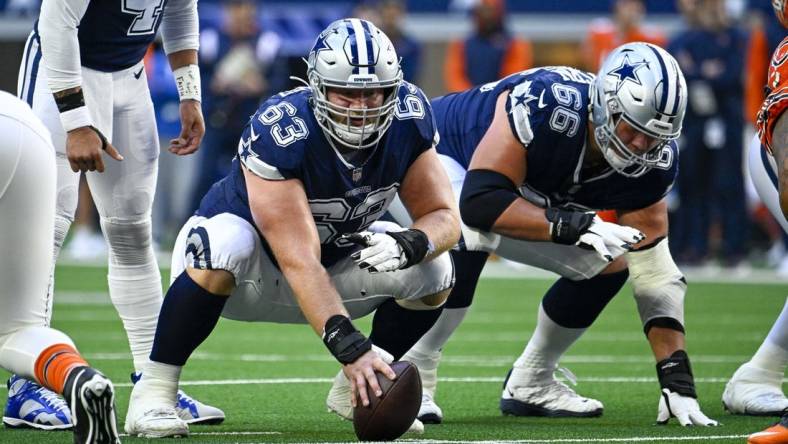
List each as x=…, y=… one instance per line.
x=485, y=195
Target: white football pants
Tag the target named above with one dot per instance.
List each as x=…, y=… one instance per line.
x=121, y=108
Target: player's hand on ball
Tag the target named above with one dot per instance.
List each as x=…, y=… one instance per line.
x=84, y=148
x=684, y=408
x=608, y=239
x=192, y=129
x=361, y=374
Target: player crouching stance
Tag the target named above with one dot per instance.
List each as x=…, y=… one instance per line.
x=28, y=347
x=556, y=143
x=277, y=239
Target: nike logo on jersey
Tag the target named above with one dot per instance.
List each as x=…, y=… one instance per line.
x=139, y=73
x=541, y=103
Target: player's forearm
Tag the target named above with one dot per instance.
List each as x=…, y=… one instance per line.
x=57, y=28
x=442, y=228
x=313, y=290
x=523, y=220
x=182, y=58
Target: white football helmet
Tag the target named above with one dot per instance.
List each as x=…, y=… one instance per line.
x=642, y=85
x=353, y=53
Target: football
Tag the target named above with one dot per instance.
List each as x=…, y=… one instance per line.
x=388, y=417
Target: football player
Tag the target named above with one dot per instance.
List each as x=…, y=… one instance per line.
x=82, y=74
x=530, y=158
x=756, y=387
x=28, y=347
x=287, y=236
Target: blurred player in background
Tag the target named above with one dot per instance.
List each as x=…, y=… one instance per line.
x=756, y=387
x=530, y=157
x=82, y=74
x=277, y=239
x=28, y=347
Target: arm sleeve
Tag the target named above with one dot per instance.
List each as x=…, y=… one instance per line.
x=57, y=28
x=180, y=27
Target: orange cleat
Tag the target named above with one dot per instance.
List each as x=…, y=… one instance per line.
x=776, y=434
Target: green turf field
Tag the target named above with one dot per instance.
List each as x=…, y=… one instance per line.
x=271, y=380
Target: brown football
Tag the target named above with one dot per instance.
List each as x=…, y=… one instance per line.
x=389, y=417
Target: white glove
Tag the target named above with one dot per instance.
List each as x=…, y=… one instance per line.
x=382, y=252
x=683, y=408
x=608, y=239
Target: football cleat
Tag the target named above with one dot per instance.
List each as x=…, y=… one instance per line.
x=338, y=401
x=30, y=405
x=151, y=411
x=191, y=410
x=755, y=391
x=776, y=434
x=429, y=412
x=546, y=398
x=91, y=397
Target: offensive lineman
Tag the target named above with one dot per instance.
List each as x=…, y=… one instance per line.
x=82, y=74
x=283, y=238
x=27, y=346
x=756, y=387
x=546, y=147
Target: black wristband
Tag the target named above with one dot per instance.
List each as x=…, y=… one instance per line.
x=70, y=101
x=414, y=243
x=566, y=226
x=675, y=374
x=343, y=340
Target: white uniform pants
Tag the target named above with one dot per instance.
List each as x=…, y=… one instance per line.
x=262, y=293
x=763, y=171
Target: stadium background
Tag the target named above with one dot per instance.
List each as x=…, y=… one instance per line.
x=271, y=379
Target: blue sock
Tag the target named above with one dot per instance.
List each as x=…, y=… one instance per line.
x=576, y=304
x=468, y=266
x=188, y=315
x=396, y=329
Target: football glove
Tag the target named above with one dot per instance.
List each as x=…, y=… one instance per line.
x=684, y=408
x=678, y=398
x=588, y=231
x=389, y=251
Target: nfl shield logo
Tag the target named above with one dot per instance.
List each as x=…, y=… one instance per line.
x=356, y=174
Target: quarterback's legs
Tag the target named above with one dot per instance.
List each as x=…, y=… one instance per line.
x=27, y=346
x=756, y=387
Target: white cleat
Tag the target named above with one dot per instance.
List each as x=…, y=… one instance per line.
x=195, y=412
x=338, y=401
x=151, y=411
x=548, y=397
x=429, y=412
x=156, y=423
x=755, y=391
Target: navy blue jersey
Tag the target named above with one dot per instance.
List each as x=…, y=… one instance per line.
x=114, y=34
x=548, y=113
x=284, y=141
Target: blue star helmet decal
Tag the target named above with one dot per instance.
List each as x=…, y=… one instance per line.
x=627, y=71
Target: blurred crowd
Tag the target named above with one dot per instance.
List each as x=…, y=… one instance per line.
x=723, y=47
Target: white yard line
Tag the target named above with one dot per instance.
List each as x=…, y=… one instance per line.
x=462, y=380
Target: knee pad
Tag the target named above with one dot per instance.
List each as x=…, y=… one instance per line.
x=129, y=241
x=659, y=287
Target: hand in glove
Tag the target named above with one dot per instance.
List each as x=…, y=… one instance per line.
x=389, y=251
x=679, y=399
x=588, y=231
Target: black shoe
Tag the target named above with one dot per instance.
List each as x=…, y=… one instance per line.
x=91, y=397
